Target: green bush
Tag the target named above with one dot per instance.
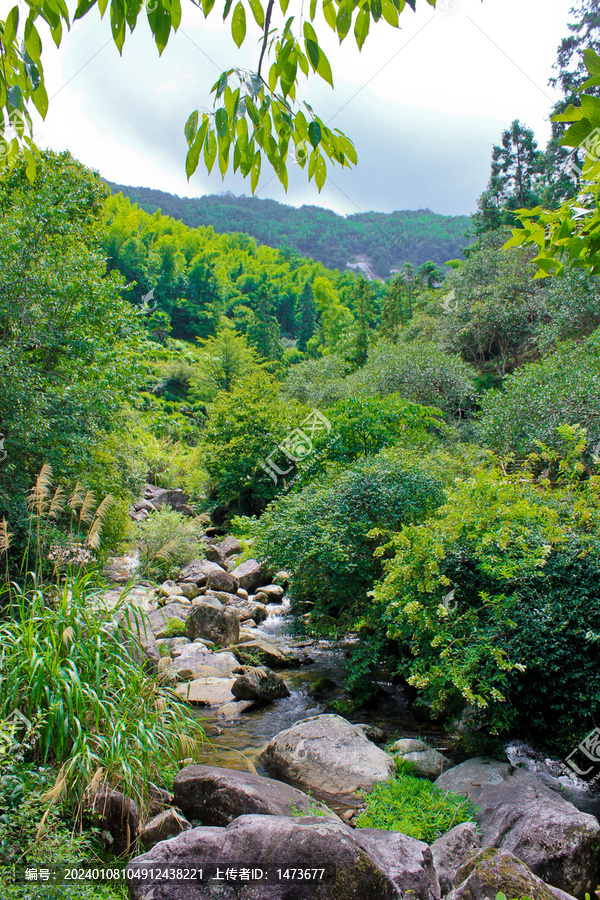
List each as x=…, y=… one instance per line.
x=494, y=603
x=535, y=401
x=322, y=534
x=419, y=372
x=363, y=426
x=415, y=807
x=167, y=540
x=60, y=844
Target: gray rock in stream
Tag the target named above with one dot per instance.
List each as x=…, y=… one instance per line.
x=273, y=843
x=490, y=871
x=516, y=812
x=260, y=684
x=451, y=850
x=216, y=796
x=328, y=755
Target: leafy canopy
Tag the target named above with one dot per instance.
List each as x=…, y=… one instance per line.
x=255, y=113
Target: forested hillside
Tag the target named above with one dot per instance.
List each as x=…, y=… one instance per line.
x=389, y=239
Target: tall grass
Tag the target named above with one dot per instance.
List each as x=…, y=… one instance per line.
x=72, y=665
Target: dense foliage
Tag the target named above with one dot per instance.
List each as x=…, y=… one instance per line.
x=327, y=533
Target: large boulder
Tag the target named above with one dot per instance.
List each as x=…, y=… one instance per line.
x=230, y=545
x=328, y=755
x=516, y=812
x=220, y=625
x=408, y=862
x=207, y=691
x=250, y=575
x=165, y=825
x=197, y=572
x=161, y=618
x=270, y=844
x=248, y=609
x=490, y=871
x=261, y=685
x=222, y=581
x=268, y=654
x=216, y=796
x=116, y=815
x=194, y=660
x=451, y=850
x=274, y=592
x=176, y=499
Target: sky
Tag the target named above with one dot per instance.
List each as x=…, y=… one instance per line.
x=424, y=103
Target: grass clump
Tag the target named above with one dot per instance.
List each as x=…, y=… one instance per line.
x=415, y=807
x=175, y=628
x=167, y=540
x=74, y=668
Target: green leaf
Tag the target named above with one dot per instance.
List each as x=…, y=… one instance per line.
x=193, y=155
x=344, y=20
x=324, y=69
x=175, y=9
x=376, y=9
x=221, y=122
x=33, y=43
x=389, y=12
x=361, y=27
x=592, y=61
x=312, y=51
x=83, y=7
x=258, y=12
x=210, y=151
x=238, y=24
x=160, y=25
x=226, y=8
x=14, y=95
x=314, y=134
x=40, y=100
x=255, y=174
x=320, y=173
x=11, y=26
x=191, y=128
x=330, y=14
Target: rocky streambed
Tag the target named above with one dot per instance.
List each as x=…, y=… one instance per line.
x=283, y=776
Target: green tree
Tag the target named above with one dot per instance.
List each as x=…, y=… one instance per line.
x=306, y=314
x=515, y=180
x=224, y=360
x=363, y=301
x=67, y=339
x=392, y=309
x=243, y=435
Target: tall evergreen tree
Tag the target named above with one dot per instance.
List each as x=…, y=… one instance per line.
x=306, y=316
x=515, y=180
x=392, y=311
x=584, y=34
x=364, y=305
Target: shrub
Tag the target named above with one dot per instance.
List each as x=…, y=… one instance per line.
x=415, y=807
x=323, y=534
x=175, y=628
x=318, y=382
x=418, y=372
x=540, y=397
x=365, y=425
x=494, y=602
x=167, y=540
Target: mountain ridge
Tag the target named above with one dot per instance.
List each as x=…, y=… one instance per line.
x=388, y=240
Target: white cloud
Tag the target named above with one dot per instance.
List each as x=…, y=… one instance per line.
x=423, y=104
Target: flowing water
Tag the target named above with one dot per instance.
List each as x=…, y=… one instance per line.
x=237, y=745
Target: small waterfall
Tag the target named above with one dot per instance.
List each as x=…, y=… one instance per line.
x=552, y=773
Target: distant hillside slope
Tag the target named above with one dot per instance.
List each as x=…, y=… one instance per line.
x=388, y=239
